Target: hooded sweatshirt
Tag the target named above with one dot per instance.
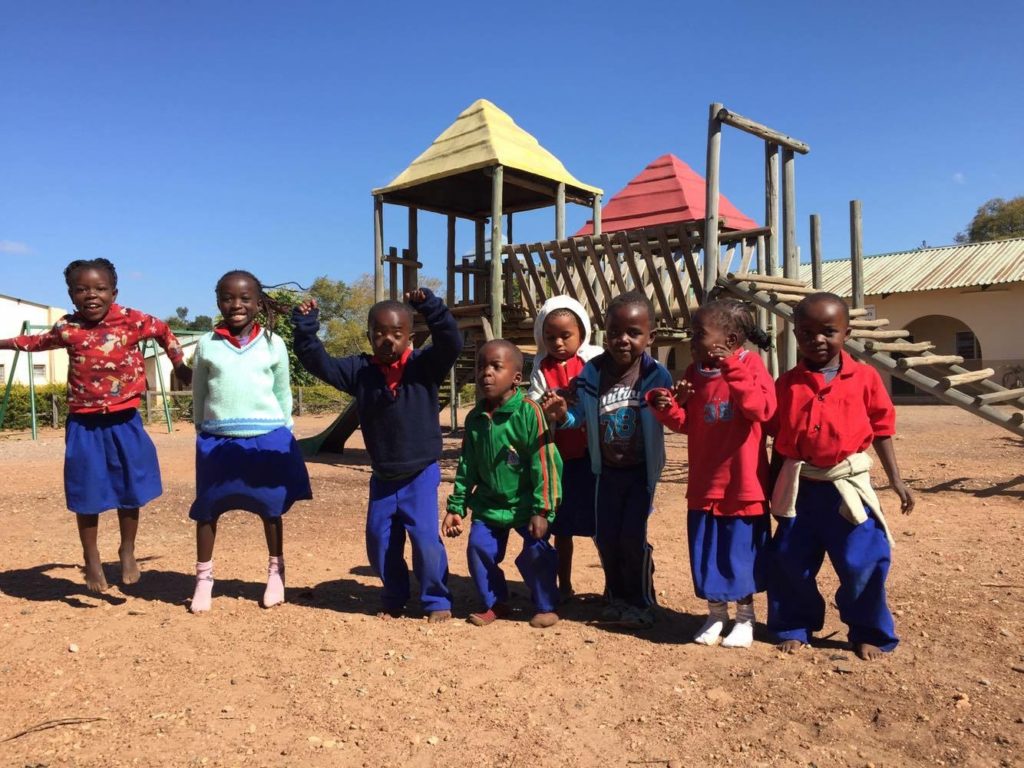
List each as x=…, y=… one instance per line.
x=549, y=373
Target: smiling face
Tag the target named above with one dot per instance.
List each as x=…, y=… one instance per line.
x=821, y=328
x=389, y=333
x=92, y=291
x=238, y=299
x=628, y=333
x=498, y=372
x=562, y=338
x=709, y=334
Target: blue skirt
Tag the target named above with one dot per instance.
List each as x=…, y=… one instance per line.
x=109, y=463
x=724, y=554
x=265, y=474
x=576, y=515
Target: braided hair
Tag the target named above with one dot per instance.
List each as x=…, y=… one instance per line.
x=81, y=265
x=270, y=308
x=737, y=317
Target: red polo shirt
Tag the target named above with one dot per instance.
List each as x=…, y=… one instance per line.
x=825, y=423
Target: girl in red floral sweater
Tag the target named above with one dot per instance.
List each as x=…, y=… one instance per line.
x=109, y=460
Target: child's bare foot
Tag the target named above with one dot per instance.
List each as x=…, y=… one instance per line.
x=867, y=651
x=95, y=581
x=789, y=646
x=390, y=613
x=438, y=617
x=489, y=616
x=544, y=620
x=129, y=567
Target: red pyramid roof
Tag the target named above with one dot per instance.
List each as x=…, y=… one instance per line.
x=665, y=192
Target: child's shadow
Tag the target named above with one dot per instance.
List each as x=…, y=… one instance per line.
x=38, y=585
x=351, y=596
x=175, y=588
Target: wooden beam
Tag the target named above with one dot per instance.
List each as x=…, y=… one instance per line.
x=791, y=263
x=589, y=245
x=524, y=285
x=532, y=269
x=766, y=279
x=497, y=188
x=629, y=258
x=613, y=261
x=858, y=323
x=771, y=207
x=762, y=131
x=990, y=398
x=549, y=271
x=673, y=275
x=737, y=235
x=594, y=310
x=906, y=347
x=378, y=248
x=711, y=198
x=568, y=284
x=451, y=260
x=478, y=282
x=816, y=251
x=916, y=362
x=652, y=274
x=861, y=333
x=596, y=216
x=560, y=211
x=959, y=379
x=856, y=254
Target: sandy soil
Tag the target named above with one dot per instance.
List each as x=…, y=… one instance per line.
x=322, y=681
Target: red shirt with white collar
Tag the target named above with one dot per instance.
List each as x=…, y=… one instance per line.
x=559, y=374
x=724, y=418
x=106, y=371
x=825, y=423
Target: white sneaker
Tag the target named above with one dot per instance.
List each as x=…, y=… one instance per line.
x=742, y=634
x=718, y=614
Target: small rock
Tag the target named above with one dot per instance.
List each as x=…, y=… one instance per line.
x=314, y=741
x=442, y=688
x=228, y=709
x=330, y=744
x=844, y=669
x=389, y=672
x=72, y=648
x=433, y=740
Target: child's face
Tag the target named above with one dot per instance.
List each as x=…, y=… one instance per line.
x=627, y=333
x=238, y=299
x=709, y=337
x=390, y=333
x=820, y=331
x=92, y=292
x=497, y=374
x=562, y=336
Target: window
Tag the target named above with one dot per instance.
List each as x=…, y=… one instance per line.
x=3, y=374
x=39, y=374
x=966, y=345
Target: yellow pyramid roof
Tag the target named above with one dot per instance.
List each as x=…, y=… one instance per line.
x=482, y=136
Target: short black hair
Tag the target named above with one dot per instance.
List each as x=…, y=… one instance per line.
x=389, y=305
x=735, y=316
x=823, y=297
x=632, y=299
x=270, y=307
x=564, y=312
x=514, y=352
x=80, y=265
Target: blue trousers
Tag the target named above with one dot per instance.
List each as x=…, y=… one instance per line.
x=400, y=507
x=860, y=555
x=724, y=554
x=623, y=506
x=537, y=564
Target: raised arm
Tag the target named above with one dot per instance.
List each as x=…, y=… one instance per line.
x=338, y=372
x=155, y=328
x=445, y=336
x=39, y=342
x=751, y=386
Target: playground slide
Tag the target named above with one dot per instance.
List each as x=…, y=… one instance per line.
x=332, y=439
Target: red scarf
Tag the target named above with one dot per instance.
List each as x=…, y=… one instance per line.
x=393, y=371
x=222, y=330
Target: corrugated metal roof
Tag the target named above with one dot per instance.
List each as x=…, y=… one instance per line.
x=929, y=269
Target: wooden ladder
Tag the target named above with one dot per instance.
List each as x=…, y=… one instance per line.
x=889, y=351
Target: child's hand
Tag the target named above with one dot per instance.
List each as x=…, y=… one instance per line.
x=906, y=497
x=184, y=374
x=538, y=526
x=415, y=297
x=451, y=526
x=719, y=352
x=554, y=406
x=661, y=398
x=682, y=391
x=307, y=306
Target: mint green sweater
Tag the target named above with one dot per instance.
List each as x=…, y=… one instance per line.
x=241, y=392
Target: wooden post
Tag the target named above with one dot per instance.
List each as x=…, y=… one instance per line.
x=410, y=278
x=497, y=187
x=478, y=284
x=856, y=254
x=711, y=200
x=761, y=314
x=771, y=207
x=816, y=251
x=791, y=263
x=560, y=211
x=378, y=248
x=454, y=404
x=451, y=261
x=508, y=229
x=597, y=215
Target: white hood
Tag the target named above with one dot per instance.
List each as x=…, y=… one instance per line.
x=587, y=351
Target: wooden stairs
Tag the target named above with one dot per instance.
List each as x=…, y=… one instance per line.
x=888, y=350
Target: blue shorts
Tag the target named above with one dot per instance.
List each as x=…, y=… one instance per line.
x=109, y=463
x=576, y=515
x=265, y=474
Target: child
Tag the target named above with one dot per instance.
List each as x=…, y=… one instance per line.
x=396, y=397
x=724, y=398
x=109, y=460
x=831, y=408
x=627, y=452
x=246, y=456
x=562, y=333
x=509, y=476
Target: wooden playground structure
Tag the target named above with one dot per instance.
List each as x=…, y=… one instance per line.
x=484, y=168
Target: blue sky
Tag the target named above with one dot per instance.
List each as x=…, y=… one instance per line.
x=182, y=139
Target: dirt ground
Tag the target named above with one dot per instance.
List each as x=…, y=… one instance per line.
x=322, y=681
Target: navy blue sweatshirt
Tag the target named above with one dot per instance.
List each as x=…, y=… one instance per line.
x=401, y=429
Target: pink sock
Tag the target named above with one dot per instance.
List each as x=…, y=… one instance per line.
x=202, y=598
x=274, y=593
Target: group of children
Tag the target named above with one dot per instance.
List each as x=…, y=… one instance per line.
x=580, y=454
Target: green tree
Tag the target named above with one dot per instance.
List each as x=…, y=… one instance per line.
x=201, y=323
x=998, y=219
x=281, y=326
